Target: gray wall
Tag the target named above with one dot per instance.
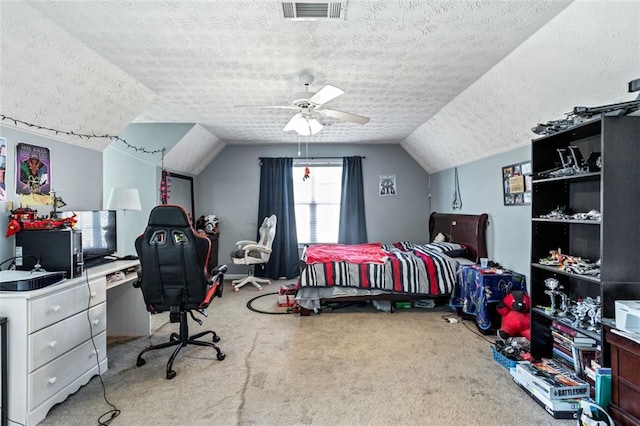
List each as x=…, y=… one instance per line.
x=76, y=176
x=229, y=188
x=508, y=234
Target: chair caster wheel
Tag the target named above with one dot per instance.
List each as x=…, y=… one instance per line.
x=216, y=339
x=221, y=356
x=140, y=362
x=259, y=288
x=171, y=374
x=236, y=288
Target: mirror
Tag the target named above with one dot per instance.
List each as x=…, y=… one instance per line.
x=182, y=192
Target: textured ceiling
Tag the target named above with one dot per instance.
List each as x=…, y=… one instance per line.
x=399, y=62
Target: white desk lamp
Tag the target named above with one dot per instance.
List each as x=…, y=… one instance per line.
x=124, y=199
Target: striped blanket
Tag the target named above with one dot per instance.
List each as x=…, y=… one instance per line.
x=413, y=269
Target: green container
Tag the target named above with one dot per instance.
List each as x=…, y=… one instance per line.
x=403, y=305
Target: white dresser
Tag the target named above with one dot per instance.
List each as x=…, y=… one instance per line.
x=51, y=352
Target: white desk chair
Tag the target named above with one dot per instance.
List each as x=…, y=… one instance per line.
x=253, y=253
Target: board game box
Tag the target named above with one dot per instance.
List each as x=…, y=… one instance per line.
x=551, y=380
x=558, y=408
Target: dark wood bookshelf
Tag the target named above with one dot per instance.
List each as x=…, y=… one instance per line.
x=613, y=240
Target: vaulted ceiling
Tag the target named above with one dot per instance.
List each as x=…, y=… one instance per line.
x=451, y=81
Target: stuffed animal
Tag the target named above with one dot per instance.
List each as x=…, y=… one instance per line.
x=207, y=224
x=516, y=318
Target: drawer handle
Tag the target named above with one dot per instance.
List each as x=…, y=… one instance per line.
x=92, y=354
x=94, y=294
x=52, y=380
x=53, y=344
x=96, y=321
x=55, y=308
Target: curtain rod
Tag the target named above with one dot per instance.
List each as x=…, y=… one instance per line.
x=318, y=158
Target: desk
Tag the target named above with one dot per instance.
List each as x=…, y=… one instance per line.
x=126, y=311
x=477, y=290
x=57, y=336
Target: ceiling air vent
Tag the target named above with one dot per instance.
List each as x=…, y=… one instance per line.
x=311, y=11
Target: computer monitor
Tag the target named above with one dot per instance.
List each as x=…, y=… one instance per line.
x=99, y=236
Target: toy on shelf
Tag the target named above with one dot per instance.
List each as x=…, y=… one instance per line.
x=25, y=218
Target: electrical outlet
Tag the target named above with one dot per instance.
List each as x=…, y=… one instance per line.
x=18, y=255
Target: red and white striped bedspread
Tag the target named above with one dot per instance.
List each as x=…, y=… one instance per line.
x=416, y=271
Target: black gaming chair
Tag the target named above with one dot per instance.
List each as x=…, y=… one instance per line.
x=174, y=277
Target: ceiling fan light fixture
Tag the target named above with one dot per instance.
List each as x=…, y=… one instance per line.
x=302, y=127
x=314, y=126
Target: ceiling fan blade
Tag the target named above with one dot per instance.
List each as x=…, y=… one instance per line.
x=326, y=94
x=346, y=116
x=291, y=125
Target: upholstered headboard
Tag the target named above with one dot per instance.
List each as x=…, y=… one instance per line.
x=467, y=229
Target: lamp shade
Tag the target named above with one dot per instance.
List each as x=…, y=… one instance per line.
x=124, y=199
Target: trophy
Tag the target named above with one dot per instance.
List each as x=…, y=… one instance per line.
x=553, y=285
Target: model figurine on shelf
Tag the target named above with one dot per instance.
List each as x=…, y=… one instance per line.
x=24, y=218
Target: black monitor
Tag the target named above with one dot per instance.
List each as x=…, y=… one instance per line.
x=99, y=236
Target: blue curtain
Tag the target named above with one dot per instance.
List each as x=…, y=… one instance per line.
x=353, y=225
x=276, y=197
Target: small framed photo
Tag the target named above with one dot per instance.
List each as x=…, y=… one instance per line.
x=387, y=185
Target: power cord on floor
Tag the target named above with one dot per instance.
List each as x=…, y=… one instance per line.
x=290, y=310
x=114, y=412
x=453, y=318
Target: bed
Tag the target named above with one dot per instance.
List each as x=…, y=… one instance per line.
x=384, y=273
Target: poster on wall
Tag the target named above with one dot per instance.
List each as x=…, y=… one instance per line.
x=516, y=184
x=387, y=185
x=3, y=169
x=33, y=169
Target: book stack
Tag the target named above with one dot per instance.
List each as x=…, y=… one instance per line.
x=575, y=351
x=557, y=389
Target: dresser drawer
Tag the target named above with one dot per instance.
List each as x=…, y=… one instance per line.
x=54, y=376
x=51, y=342
x=98, y=292
x=47, y=310
x=631, y=401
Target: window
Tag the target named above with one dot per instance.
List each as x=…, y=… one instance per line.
x=317, y=200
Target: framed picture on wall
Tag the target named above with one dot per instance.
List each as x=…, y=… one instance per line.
x=387, y=185
x=33, y=169
x=516, y=184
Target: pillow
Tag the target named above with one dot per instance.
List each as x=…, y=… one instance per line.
x=400, y=245
x=450, y=249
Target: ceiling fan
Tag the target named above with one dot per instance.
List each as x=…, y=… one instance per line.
x=310, y=109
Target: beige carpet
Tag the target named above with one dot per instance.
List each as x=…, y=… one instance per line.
x=354, y=366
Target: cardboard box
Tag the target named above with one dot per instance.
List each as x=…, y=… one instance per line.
x=551, y=380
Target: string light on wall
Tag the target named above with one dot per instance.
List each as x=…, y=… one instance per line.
x=80, y=135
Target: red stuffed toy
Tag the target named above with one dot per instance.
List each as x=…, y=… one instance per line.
x=516, y=319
